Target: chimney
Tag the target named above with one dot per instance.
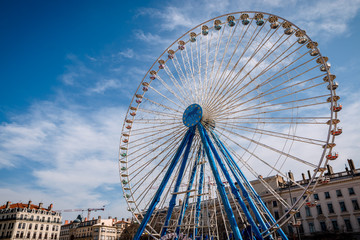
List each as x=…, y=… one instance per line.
x=303, y=177
x=66, y=222
x=99, y=217
x=330, y=170
x=123, y=219
x=86, y=219
x=309, y=174
x=347, y=170
x=40, y=205
x=50, y=207
x=29, y=204
x=109, y=217
x=8, y=204
x=93, y=218
x=291, y=176
x=351, y=165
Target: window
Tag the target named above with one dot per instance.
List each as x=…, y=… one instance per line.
x=40, y=235
x=319, y=210
x=351, y=191
x=323, y=226
x=23, y=226
x=47, y=227
x=316, y=196
x=307, y=211
x=19, y=226
x=17, y=234
x=348, y=225
x=311, y=227
x=298, y=215
x=301, y=228
x=21, y=234
x=330, y=208
x=355, y=204
x=45, y=236
x=28, y=235
x=30, y=226
x=34, y=235
x=327, y=195
x=342, y=206
x=42, y=227
x=338, y=193
x=274, y=203
x=36, y=226
x=335, y=225
x=276, y=213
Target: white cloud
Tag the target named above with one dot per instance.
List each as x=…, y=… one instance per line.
x=127, y=53
x=104, y=85
x=72, y=154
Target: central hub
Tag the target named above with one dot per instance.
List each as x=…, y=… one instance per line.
x=192, y=115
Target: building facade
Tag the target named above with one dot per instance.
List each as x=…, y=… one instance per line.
x=333, y=211
x=29, y=221
x=94, y=229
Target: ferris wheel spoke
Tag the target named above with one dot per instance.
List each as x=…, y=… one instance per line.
x=161, y=105
x=235, y=92
x=168, y=99
x=184, y=80
x=272, y=149
x=261, y=160
x=151, y=135
x=258, y=176
x=158, y=140
x=140, y=168
x=273, y=78
x=170, y=90
x=175, y=82
x=229, y=39
x=227, y=82
x=232, y=82
x=157, y=113
x=277, y=134
x=213, y=94
x=259, y=105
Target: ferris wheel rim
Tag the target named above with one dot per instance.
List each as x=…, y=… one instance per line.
x=332, y=117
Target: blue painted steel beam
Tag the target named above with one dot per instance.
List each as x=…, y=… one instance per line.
x=241, y=185
x=161, y=188
x=198, y=201
x=219, y=184
x=280, y=231
x=186, y=202
x=177, y=184
x=234, y=189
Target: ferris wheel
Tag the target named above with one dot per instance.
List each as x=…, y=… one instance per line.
x=235, y=100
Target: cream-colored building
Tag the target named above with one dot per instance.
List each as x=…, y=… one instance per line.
x=334, y=210
x=95, y=229
x=29, y=221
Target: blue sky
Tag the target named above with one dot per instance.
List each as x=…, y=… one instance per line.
x=69, y=70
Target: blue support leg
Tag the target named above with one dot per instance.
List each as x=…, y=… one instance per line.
x=280, y=231
x=198, y=201
x=177, y=184
x=234, y=189
x=219, y=184
x=186, y=202
x=161, y=188
x=241, y=185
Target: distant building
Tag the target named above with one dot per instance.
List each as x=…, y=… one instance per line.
x=29, y=221
x=95, y=229
x=334, y=208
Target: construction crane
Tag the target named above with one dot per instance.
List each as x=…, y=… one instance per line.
x=89, y=210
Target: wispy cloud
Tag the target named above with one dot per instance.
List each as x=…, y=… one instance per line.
x=70, y=153
x=104, y=85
